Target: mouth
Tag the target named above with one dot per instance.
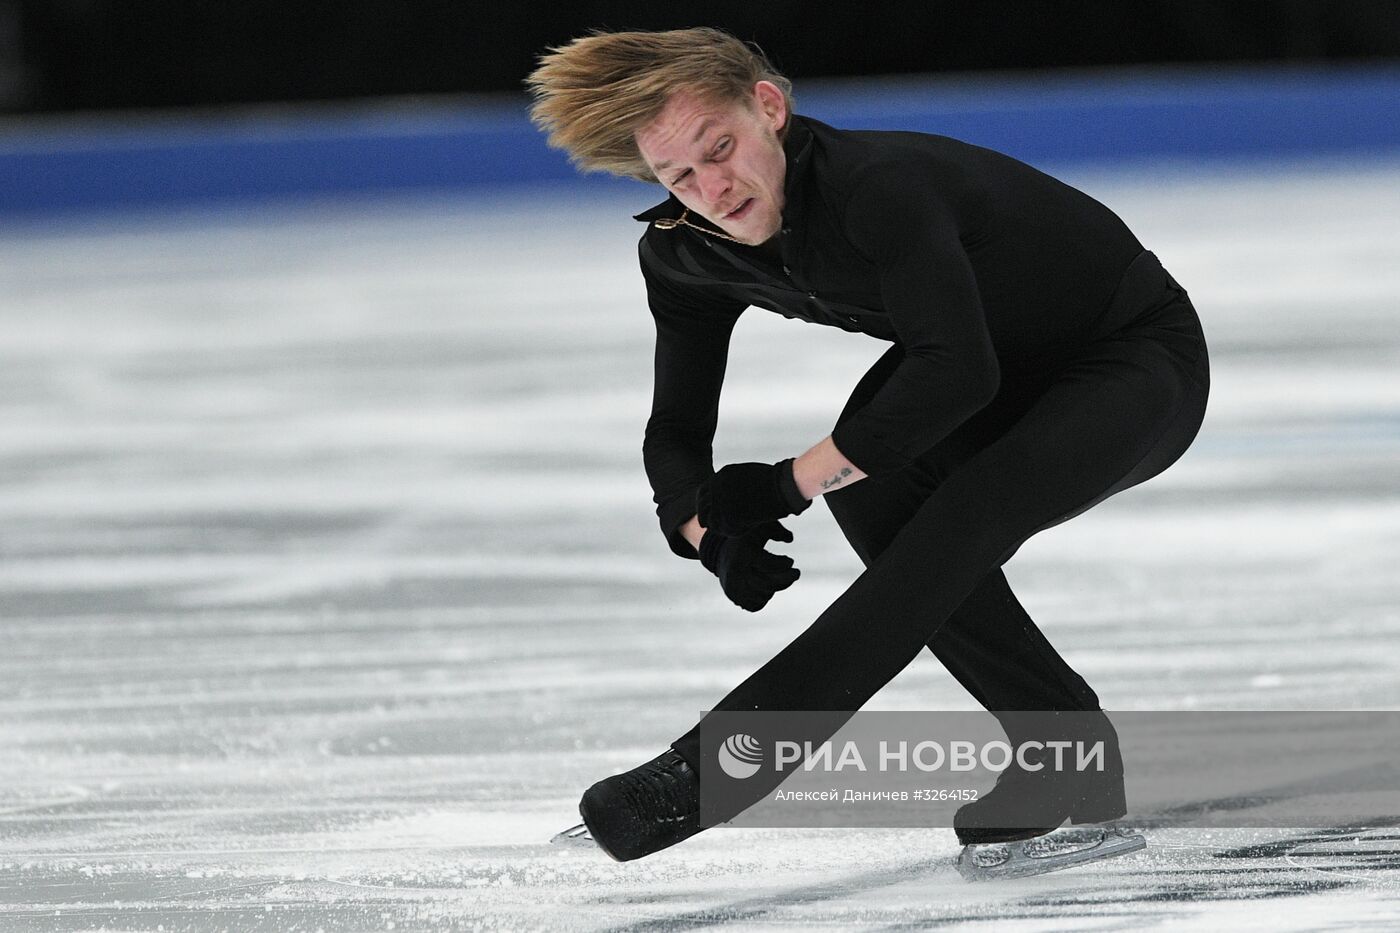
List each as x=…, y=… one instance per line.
x=740, y=212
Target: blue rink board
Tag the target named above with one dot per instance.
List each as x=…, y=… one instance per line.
x=124, y=161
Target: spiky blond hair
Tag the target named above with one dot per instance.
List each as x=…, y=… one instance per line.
x=592, y=94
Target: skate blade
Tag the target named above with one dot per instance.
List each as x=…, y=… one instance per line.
x=574, y=836
x=1044, y=854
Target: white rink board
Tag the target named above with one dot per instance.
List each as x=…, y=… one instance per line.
x=330, y=577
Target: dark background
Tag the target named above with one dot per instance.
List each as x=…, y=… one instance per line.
x=65, y=55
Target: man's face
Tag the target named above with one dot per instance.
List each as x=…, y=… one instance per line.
x=723, y=160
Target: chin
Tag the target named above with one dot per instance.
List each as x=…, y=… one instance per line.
x=752, y=230
x=754, y=235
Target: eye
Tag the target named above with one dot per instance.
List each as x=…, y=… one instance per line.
x=681, y=177
x=723, y=146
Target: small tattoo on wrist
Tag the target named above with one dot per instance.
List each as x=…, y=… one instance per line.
x=836, y=480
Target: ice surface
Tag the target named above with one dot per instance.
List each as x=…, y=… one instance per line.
x=330, y=576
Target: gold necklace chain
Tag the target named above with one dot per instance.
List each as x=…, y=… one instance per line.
x=671, y=223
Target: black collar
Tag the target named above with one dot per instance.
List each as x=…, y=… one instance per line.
x=797, y=147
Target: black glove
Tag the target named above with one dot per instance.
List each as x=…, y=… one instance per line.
x=748, y=574
x=742, y=495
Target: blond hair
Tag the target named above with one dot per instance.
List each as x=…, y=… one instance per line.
x=592, y=94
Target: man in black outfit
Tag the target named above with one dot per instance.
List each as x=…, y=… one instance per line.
x=1041, y=360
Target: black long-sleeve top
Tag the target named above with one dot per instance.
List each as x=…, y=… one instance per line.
x=979, y=266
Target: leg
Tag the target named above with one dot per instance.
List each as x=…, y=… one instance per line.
x=989, y=643
x=1123, y=411
x=998, y=653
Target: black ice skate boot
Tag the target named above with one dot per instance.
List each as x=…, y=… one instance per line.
x=1024, y=804
x=644, y=810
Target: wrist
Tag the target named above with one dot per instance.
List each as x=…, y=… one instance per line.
x=787, y=487
x=691, y=531
x=708, y=549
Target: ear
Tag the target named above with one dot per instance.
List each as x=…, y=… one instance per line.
x=771, y=103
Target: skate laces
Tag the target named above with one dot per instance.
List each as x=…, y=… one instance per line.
x=664, y=789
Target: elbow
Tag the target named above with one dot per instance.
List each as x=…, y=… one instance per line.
x=659, y=434
x=657, y=449
x=984, y=381
x=668, y=452
x=658, y=440
x=974, y=376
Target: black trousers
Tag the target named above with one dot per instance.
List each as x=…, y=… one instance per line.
x=1105, y=417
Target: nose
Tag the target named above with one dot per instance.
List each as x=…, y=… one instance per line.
x=714, y=183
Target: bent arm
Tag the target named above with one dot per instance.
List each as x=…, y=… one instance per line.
x=692, y=349
x=929, y=292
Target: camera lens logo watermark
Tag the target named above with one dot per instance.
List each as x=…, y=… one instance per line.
x=740, y=756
